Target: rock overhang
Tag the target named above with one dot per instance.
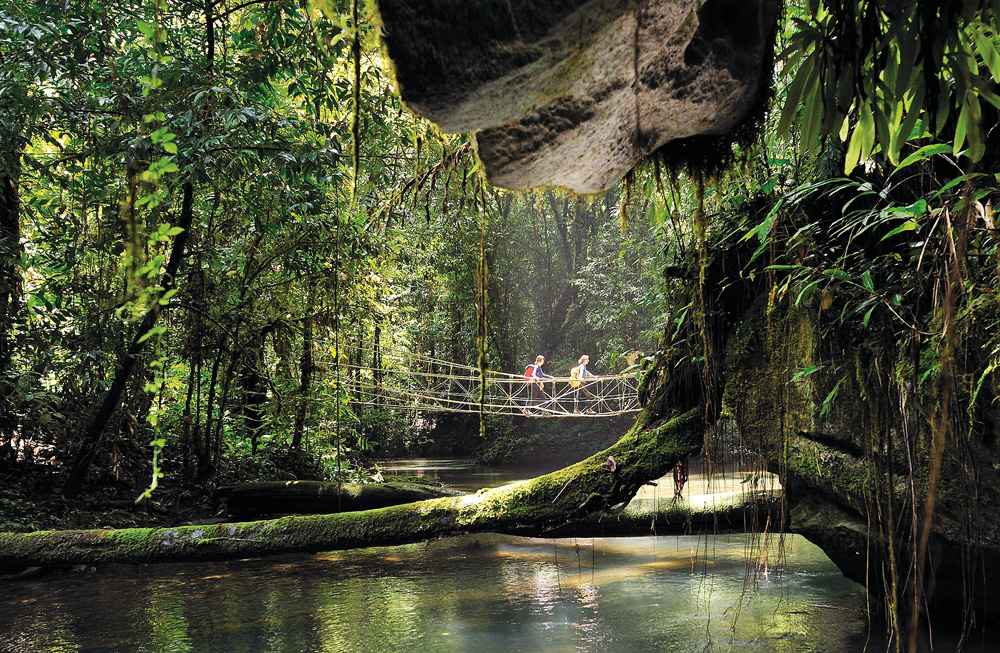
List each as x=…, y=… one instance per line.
x=573, y=93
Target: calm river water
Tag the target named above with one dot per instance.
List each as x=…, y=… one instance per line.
x=473, y=593
x=480, y=593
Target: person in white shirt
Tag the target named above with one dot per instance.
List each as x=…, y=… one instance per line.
x=578, y=381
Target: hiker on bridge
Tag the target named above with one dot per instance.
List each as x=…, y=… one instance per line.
x=578, y=381
x=535, y=377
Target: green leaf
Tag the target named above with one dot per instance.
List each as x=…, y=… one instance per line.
x=909, y=225
x=917, y=209
x=167, y=296
x=988, y=51
x=853, y=150
x=926, y=152
x=905, y=126
x=837, y=273
x=155, y=331
x=763, y=229
x=987, y=94
x=955, y=182
x=802, y=76
x=148, y=29
x=811, y=132
x=961, y=129
x=868, y=316
x=974, y=130
x=867, y=125
x=806, y=372
x=807, y=291
x=866, y=279
x=830, y=398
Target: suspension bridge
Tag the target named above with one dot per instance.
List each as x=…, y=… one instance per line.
x=423, y=383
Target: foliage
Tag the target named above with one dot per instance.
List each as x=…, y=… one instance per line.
x=332, y=234
x=880, y=74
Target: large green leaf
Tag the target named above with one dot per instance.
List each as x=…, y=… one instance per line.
x=926, y=152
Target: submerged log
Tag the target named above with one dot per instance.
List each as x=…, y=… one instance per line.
x=585, y=492
x=314, y=497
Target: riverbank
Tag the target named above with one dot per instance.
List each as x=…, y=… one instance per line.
x=31, y=500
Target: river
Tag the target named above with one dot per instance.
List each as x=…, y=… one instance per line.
x=480, y=593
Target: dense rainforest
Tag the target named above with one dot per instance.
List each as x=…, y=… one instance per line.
x=229, y=229
x=209, y=317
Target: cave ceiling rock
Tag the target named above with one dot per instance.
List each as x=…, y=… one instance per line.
x=574, y=94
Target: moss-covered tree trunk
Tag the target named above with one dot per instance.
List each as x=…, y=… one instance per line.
x=582, y=493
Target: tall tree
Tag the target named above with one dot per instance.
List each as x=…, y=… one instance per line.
x=93, y=433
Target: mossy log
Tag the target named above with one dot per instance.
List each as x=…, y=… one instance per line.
x=315, y=497
x=583, y=492
x=828, y=487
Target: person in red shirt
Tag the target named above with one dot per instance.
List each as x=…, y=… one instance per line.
x=535, y=376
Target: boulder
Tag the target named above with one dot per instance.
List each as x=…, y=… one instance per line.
x=575, y=94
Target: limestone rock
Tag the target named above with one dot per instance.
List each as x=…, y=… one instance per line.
x=575, y=93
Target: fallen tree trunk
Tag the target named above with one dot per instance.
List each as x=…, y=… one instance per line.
x=827, y=486
x=754, y=515
x=305, y=534
x=316, y=497
x=545, y=505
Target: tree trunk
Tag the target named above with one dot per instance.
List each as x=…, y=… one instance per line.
x=10, y=297
x=315, y=497
x=305, y=368
x=401, y=524
x=582, y=497
x=223, y=402
x=186, y=444
x=91, y=437
x=253, y=389
x=206, y=463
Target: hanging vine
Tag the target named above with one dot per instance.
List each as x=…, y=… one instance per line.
x=356, y=114
x=481, y=309
x=701, y=316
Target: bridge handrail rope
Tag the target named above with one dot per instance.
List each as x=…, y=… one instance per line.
x=410, y=357
x=506, y=394
x=501, y=377
x=388, y=391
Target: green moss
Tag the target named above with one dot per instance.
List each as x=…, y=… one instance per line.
x=532, y=507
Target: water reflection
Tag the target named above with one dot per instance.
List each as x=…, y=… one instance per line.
x=460, y=473
x=728, y=485
x=475, y=593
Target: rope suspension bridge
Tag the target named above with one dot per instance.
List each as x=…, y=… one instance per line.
x=424, y=383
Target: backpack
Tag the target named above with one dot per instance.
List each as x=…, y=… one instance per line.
x=529, y=372
x=574, y=377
